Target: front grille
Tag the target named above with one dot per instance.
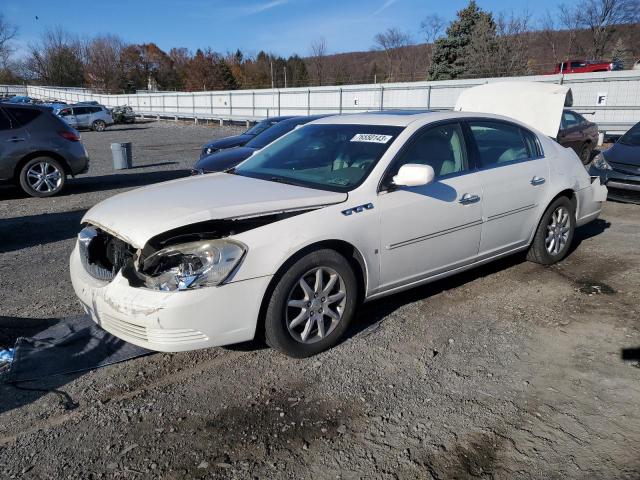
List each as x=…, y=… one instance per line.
x=172, y=336
x=624, y=195
x=625, y=169
x=102, y=254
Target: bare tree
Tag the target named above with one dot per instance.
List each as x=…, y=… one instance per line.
x=432, y=27
x=601, y=17
x=318, y=60
x=552, y=37
x=393, y=43
x=103, y=68
x=56, y=59
x=514, y=40
x=7, y=33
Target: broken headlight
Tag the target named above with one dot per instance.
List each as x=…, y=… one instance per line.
x=192, y=265
x=601, y=163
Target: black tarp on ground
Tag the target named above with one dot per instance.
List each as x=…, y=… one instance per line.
x=73, y=344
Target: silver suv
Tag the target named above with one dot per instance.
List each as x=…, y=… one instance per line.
x=95, y=117
x=38, y=150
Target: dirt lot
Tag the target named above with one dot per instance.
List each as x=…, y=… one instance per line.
x=509, y=371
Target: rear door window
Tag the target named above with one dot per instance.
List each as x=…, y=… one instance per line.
x=499, y=143
x=80, y=110
x=24, y=116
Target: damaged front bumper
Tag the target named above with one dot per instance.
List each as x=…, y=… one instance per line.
x=590, y=201
x=170, y=321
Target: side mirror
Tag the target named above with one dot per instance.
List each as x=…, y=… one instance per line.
x=414, y=175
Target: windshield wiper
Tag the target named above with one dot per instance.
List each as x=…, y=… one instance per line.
x=282, y=180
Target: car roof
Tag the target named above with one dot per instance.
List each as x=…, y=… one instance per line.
x=278, y=119
x=29, y=106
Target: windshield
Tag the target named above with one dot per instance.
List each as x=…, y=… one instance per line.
x=273, y=133
x=327, y=157
x=260, y=127
x=632, y=137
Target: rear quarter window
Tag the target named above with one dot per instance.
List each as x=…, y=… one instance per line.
x=24, y=116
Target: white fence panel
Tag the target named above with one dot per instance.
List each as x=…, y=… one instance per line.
x=608, y=98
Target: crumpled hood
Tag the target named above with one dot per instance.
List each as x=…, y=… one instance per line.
x=139, y=215
x=625, y=154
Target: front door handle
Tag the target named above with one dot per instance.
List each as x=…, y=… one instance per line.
x=467, y=199
x=16, y=139
x=535, y=181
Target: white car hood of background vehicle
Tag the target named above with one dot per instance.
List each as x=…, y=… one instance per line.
x=141, y=214
x=539, y=105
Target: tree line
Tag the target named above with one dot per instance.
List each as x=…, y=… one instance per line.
x=476, y=43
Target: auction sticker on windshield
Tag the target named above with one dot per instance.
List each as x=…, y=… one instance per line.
x=371, y=137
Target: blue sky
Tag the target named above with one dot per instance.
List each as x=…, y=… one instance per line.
x=279, y=26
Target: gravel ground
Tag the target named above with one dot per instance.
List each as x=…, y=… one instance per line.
x=512, y=370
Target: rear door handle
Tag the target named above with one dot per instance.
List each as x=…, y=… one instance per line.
x=535, y=181
x=467, y=199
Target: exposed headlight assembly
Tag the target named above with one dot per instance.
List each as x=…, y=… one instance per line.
x=601, y=163
x=192, y=265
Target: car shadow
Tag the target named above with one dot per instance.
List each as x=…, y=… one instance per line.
x=148, y=165
x=123, y=180
x=585, y=232
x=28, y=231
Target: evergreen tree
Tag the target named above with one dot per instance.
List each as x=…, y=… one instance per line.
x=449, y=52
x=298, y=76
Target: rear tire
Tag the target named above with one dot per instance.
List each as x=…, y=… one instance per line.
x=99, y=126
x=585, y=153
x=554, y=235
x=42, y=177
x=312, y=304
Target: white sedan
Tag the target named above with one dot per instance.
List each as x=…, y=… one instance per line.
x=343, y=210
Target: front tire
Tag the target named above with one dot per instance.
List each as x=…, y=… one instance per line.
x=312, y=304
x=554, y=235
x=585, y=153
x=42, y=177
x=99, y=126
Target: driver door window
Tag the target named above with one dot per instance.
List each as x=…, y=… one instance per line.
x=441, y=147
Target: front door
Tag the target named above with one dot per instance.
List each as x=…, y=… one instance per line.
x=514, y=176
x=436, y=227
x=67, y=115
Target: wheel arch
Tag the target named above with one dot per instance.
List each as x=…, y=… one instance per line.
x=40, y=153
x=348, y=250
x=568, y=193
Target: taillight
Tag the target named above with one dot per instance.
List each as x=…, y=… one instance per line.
x=71, y=136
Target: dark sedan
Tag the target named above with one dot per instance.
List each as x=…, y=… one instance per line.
x=579, y=134
x=619, y=167
x=242, y=139
x=231, y=157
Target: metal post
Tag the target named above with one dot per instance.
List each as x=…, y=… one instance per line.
x=308, y=101
x=163, y=107
x=429, y=97
x=278, y=102
x=193, y=103
x=253, y=104
x=211, y=103
x=177, y=104
x=381, y=97
x=230, y=104
x=340, y=107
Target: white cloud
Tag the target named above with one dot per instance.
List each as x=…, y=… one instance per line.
x=261, y=7
x=384, y=6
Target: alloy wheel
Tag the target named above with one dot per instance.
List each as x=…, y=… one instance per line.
x=558, y=231
x=315, y=305
x=44, y=177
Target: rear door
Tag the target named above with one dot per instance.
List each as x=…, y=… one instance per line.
x=514, y=176
x=82, y=116
x=6, y=132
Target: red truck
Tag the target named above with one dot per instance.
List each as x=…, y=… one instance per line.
x=584, y=66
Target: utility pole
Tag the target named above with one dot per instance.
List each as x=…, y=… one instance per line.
x=272, y=84
x=285, y=76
